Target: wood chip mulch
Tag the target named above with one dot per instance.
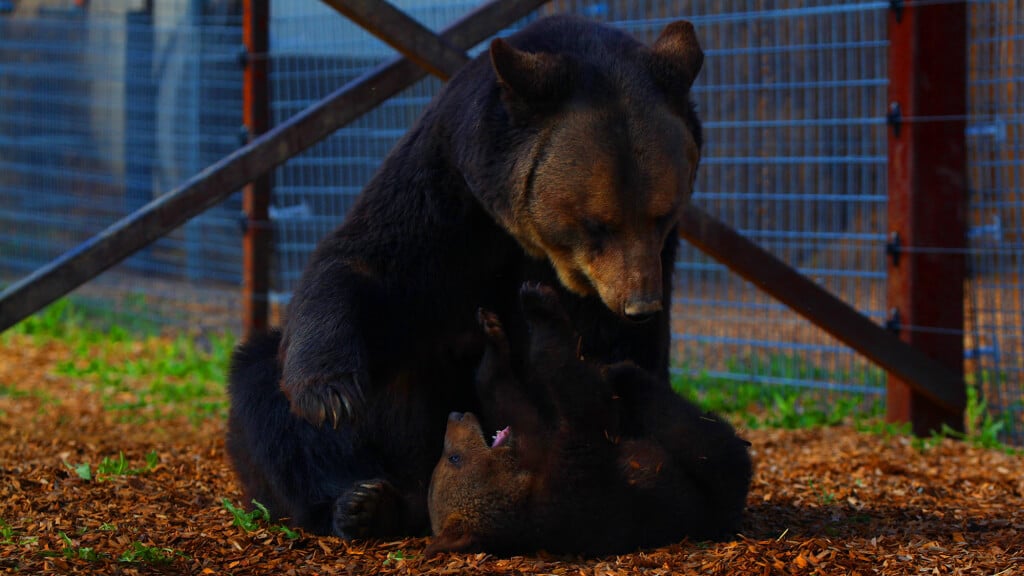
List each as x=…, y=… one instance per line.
x=824, y=501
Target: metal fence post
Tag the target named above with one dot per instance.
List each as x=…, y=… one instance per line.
x=140, y=118
x=256, y=195
x=927, y=196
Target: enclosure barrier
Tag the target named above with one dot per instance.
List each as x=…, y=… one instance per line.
x=927, y=197
x=929, y=380
x=246, y=164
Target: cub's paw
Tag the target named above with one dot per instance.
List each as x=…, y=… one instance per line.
x=540, y=301
x=370, y=508
x=330, y=398
x=491, y=325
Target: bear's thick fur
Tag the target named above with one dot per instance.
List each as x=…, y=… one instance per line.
x=615, y=462
x=564, y=154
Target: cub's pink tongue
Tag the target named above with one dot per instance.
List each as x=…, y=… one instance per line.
x=500, y=437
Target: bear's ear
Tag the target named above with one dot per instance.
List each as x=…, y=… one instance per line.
x=676, y=57
x=622, y=376
x=623, y=370
x=538, y=80
x=454, y=537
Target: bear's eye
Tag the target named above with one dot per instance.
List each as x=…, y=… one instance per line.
x=667, y=219
x=455, y=459
x=665, y=222
x=595, y=228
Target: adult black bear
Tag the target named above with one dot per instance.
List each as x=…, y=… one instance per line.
x=615, y=462
x=565, y=154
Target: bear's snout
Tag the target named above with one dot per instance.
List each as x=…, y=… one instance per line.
x=641, y=310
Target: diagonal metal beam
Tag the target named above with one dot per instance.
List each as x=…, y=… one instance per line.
x=216, y=182
x=403, y=33
x=755, y=264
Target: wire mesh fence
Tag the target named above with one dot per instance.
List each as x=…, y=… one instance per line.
x=103, y=108
x=995, y=296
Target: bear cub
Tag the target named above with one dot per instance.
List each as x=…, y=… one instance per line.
x=595, y=459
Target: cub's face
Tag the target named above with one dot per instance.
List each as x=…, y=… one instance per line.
x=474, y=488
x=606, y=190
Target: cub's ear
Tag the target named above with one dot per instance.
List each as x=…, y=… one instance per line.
x=536, y=80
x=676, y=57
x=454, y=537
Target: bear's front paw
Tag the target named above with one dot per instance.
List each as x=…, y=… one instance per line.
x=369, y=508
x=325, y=397
x=491, y=325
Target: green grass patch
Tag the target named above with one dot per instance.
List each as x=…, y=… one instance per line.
x=768, y=405
x=253, y=520
x=756, y=404
x=70, y=551
x=111, y=467
x=76, y=318
x=12, y=536
x=981, y=429
x=155, y=378
x=825, y=498
x=142, y=554
x=13, y=392
x=397, y=556
x=121, y=356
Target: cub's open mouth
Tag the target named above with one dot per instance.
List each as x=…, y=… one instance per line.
x=501, y=437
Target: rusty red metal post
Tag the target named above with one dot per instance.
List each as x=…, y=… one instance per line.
x=256, y=245
x=927, y=197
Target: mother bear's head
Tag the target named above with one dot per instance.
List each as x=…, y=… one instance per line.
x=598, y=152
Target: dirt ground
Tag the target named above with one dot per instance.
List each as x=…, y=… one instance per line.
x=823, y=501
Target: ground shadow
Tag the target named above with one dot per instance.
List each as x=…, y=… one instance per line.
x=841, y=520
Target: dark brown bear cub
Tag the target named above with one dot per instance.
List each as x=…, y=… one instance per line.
x=564, y=154
x=601, y=459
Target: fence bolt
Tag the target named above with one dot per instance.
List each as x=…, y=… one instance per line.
x=894, y=118
x=245, y=223
x=244, y=135
x=893, y=248
x=897, y=7
x=892, y=324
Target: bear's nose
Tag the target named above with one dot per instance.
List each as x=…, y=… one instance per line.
x=641, y=311
x=640, y=318
x=456, y=416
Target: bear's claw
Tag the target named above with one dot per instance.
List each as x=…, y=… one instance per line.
x=491, y=324
x=330, y=398
x=359, y=512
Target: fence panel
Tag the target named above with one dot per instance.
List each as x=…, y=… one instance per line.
x=103, y=110
x=995, y=296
